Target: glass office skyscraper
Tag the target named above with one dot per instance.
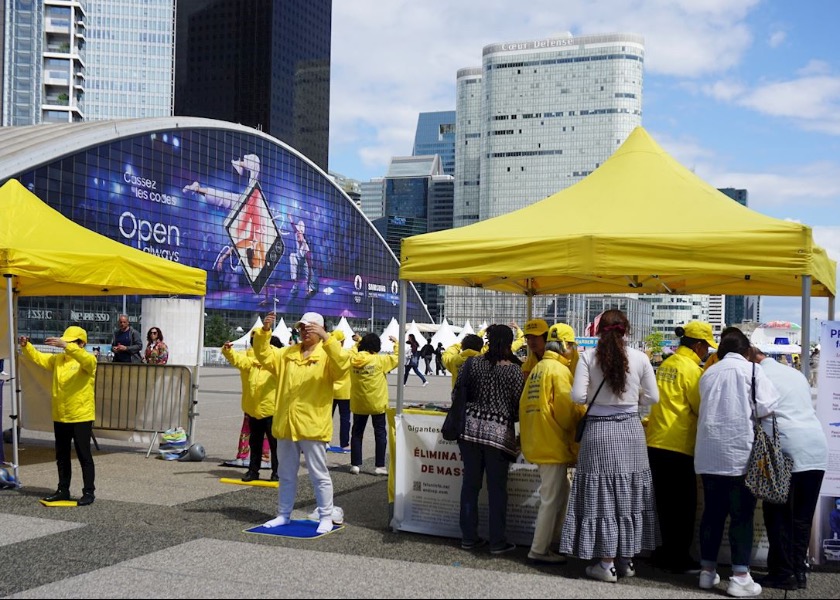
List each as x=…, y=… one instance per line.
x=436, y=135
x=262, y=63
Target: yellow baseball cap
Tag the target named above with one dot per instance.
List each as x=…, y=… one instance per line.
x=338, y=334
x=560, y=332
x=73, y=333
x=700, y=331
x=535, y=327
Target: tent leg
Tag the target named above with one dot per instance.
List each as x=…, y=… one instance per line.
x=805, y=341
x=13, y=378
x=152, y=444
x=401, y=347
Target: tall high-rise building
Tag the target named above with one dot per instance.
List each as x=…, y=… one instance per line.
x=261, y=63
x=535, y=118
x=739, y=309
x=67, y=61
x=436, y=135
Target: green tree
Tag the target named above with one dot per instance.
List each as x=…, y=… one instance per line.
x=653, y=342
x=216, y=332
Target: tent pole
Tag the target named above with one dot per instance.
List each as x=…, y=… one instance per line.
x=401, y=347
x=805, y=341
x=13, y=378
x=198, y=360
x=831, y=300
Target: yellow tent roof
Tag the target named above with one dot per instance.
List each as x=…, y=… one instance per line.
x=50, y=255
x=640, y=223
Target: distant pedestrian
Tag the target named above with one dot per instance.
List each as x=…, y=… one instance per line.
x=413, y=361
x=426, y=353
x=126, y=343
x=157, y=352
x=439, y=368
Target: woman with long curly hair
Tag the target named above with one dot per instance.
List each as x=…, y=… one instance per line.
x=612, y=509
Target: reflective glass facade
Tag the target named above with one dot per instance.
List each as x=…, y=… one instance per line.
x=271, y=230
x=436, y=135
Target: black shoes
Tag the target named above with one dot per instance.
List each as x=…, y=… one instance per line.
x=275, y=477
x=801, y=580
x=58, y=496
x=86, y=500
x=250, y=476
x=778, y=581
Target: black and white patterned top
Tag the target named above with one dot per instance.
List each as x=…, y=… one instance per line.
x=493, y=405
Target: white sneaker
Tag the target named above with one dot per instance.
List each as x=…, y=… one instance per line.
x=380, y=471
x=354, y=470
x=338, y=515
x=627, y=569
x=741, y=587
x=425, y=383
x=596, y=571
x=315, y=515
x=709, y=579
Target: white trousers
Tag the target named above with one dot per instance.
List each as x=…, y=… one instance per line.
x=315, y=454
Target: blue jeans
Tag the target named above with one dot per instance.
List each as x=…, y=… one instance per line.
x=478, y=459
x=380, y=436
x=726, y=496
x=412, y=366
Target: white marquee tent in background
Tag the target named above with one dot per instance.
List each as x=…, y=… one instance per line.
x=465, y=331
x=392, y=330
x=243, y=342
x=344, y=326
x=282, y=331
x=444, y=335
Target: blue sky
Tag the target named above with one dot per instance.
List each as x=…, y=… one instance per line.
x=744, y=92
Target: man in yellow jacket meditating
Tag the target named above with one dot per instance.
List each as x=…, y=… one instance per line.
x=303, y=421
x=73, y=375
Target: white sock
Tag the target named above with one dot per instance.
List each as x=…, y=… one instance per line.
x=607, y=565
x=277, y=521
x=325, y=526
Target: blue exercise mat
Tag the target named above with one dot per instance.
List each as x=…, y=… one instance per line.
x=337, y=450
x=298, y=528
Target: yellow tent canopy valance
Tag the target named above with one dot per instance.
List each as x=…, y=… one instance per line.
x=640, y=223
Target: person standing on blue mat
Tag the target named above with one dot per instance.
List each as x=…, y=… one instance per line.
x=73, y=376
x=259, y=402
x=303, y=420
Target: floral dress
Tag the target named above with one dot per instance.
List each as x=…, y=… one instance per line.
x=157, y=353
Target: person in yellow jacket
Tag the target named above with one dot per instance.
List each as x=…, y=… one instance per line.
x=73, y=377
x=259, y=401
x=536, y=336
x=671, y=432
x=341, y=401
x=303, y=421
x=369, y=397
x=457, y=354
x=547, y=422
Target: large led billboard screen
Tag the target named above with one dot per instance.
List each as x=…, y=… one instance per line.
x=269, y=228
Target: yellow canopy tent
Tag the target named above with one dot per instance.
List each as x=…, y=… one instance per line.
x=640, y=223
x=42, y=253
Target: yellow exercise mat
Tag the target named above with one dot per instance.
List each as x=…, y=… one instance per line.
x=59, y=503
x=256, y=482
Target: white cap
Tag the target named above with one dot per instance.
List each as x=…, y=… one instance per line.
x=311, y=318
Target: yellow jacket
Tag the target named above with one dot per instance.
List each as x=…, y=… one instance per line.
x=341, y=388
x=259, y=385
x=305, y=388
x=672, y=424
x=73, y=378
x=369, y=387
x=531, y=361
x=547, y=416
x=454, y=358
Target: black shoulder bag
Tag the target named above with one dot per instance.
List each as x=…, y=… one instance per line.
x=581, y=425
x=453, y=425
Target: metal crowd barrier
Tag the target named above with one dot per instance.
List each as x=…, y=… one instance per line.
x=144, y=398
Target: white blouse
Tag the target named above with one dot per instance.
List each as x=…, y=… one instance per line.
x=640, y=388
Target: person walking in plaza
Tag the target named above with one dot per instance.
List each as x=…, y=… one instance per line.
x=724, y=442
x=413, y=360
x=612, y=509
x=426, y=353
x=803, y=439
x=671, y=433
x=303, y=421
x=259, y=402
x=157, y=352
x=458, y=353
x=341, y=401
x=73, y=409
x=547, y=422
x=439, y=368
x=494, y=381
x=369, y=398
x=126, y=343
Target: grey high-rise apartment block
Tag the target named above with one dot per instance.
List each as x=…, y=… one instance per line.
x=261, y=63
x=537, y=117
x=435, y=134
x=66, y=61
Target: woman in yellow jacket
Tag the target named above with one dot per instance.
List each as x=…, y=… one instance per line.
x=547, y=422
x=303, y=421
x=457, y=354
x=73, y=376
x=341, y=401
x=259, y=401
x=369, y=397
x=670, y=432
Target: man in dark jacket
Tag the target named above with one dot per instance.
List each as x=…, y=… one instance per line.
x=126, y=344
x=427, y=352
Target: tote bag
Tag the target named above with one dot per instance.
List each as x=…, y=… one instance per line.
x=453, y=425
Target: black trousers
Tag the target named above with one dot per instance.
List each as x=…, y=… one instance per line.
x=80, y=435
x=789, y=525
x=675, y=487
x=260, y=428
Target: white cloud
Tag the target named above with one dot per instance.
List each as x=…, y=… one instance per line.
x=811, y=102
x=725, y=91
x=777, y=38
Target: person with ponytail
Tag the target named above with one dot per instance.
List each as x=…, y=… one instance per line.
x=612, y=509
